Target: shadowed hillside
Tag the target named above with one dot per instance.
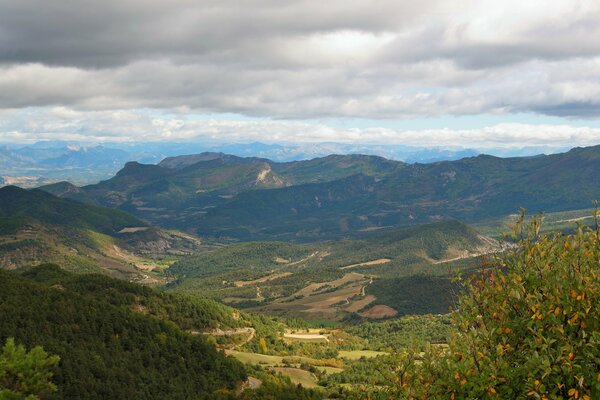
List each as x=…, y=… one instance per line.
x=37, y=227
x=229, y=197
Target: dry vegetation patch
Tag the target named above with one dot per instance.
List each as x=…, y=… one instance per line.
x=379, y=311
x=368, y=263
x=267, y=278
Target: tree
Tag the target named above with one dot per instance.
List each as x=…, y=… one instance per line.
x=528, y=326
x=23, y=374
x=262, y=343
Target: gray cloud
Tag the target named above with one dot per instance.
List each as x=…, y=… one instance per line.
x=301, y=59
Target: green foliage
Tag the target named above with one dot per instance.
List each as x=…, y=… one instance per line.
x=398, y=334
x=187, y=311
x=374, y=371
x=25, y=374
x=18, y=205
x=107, y=349
x=409, y=282
x=528, y=326
x=416, y=294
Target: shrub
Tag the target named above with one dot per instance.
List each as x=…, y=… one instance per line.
x=528, y=326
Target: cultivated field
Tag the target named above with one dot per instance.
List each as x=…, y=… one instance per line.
x=324, y=299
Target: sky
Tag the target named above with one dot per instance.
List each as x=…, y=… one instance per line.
x=443, y=73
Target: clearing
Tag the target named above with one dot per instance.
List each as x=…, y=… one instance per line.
x=379, y=311
x=255, y=358
x=368, y=263
x=264, y=279
x=307, y=337
x=134, y=229
x=299, y=376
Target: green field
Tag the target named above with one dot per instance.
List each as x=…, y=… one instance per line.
x=254, y=358
x=299, y=376
x=330, y=370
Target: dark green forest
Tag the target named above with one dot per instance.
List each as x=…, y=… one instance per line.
x=106, y=349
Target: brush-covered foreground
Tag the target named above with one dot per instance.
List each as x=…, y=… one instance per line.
x=527, y=326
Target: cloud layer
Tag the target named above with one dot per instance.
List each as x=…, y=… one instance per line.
x=378, y=59
x=20, y=126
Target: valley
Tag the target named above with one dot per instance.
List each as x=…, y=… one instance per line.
x=299, y=200
x=331, y=298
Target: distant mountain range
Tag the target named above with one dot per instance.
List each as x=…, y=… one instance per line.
x=229, y=197
x=52, y=161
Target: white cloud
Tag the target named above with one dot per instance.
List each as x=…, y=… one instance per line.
x=30, y=125
x=384, y=59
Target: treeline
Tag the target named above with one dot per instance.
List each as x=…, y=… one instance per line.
x=188, y=312
x=409, y=331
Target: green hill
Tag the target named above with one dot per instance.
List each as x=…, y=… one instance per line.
x=107, y=349
x=17, y=203
x=302, y=279
x=37, y=227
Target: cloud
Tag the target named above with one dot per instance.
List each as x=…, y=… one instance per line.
x=60, y=123
x=380, y=59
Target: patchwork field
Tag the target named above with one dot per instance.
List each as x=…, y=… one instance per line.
x=325, y=299
x=373, y=278
x=380, y=311
x=283, y=366
x=267, y=278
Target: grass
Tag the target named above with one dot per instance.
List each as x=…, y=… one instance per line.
x=254, y=358
x=306, y=337
x=299, y=376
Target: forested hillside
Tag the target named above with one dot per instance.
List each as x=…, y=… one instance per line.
x=404, y=271
x=109, y=345
x=228, y=197
x=38, y=227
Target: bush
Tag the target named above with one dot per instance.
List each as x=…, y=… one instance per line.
x=528, y=326
x=23, y=374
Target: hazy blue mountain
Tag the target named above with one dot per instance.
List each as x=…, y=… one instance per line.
x=86, y=163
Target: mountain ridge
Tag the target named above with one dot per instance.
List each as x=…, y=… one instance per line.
x=330, y=197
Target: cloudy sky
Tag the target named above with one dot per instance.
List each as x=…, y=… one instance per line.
x=437, y=73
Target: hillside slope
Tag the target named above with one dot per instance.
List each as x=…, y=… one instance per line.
x=179, y=191
x=336, y=279
x=37, y=227
x=470, y=189
x=107, y=349
x=228, y=197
